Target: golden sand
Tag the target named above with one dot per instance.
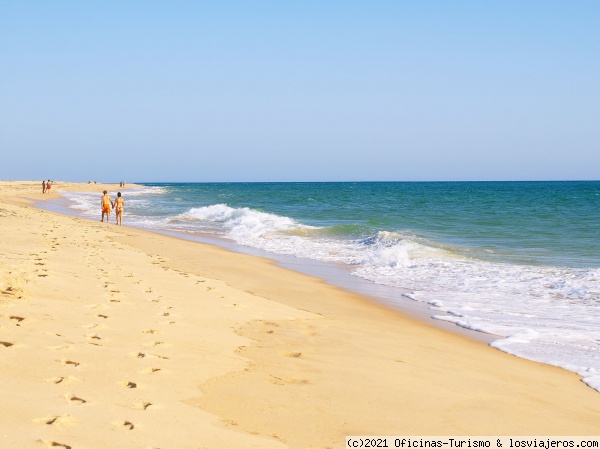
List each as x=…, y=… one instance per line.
x=113, y=337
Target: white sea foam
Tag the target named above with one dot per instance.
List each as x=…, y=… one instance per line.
x=83, y=202
x=145, y=191
x=244, y=225
x=547, y=314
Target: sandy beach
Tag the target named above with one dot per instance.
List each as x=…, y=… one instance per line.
x=117, y=337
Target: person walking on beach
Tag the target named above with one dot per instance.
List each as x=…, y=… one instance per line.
x=48, y=186
x=106, y=203
x=44, y=186
x=119, y=203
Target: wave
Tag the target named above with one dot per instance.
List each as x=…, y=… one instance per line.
x=240, y=223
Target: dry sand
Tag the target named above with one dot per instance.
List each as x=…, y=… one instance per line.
x=112, y=337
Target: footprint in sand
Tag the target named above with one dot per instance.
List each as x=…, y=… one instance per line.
x=128, y=384
x=150, y=331
x=18, y=319
x=61, y=380
x=12, y=291
x=72, y=399
x=70, y=363
x=125, y=424
x=149, y=370
x=142, y=405
x=143, y=355
x=63, y=420
x=95, y=338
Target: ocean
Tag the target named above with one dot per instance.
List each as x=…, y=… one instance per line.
x=517, y=260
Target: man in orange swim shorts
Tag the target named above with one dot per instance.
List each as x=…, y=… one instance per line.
x=106, y=204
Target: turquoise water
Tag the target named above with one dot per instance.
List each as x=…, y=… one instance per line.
x=554, y=223
x=520, y=260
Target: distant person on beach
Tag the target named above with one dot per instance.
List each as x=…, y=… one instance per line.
x=44, y=186
x=106, y=203
x=119, y=203
x=48, y=186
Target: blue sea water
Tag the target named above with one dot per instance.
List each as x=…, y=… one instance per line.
x=518, y=260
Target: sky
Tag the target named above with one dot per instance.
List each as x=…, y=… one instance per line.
x=327, y=90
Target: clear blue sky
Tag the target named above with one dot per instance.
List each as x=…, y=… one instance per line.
x=299, y=90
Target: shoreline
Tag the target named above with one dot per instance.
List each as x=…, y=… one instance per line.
x=121, y=337
x=329, y=272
